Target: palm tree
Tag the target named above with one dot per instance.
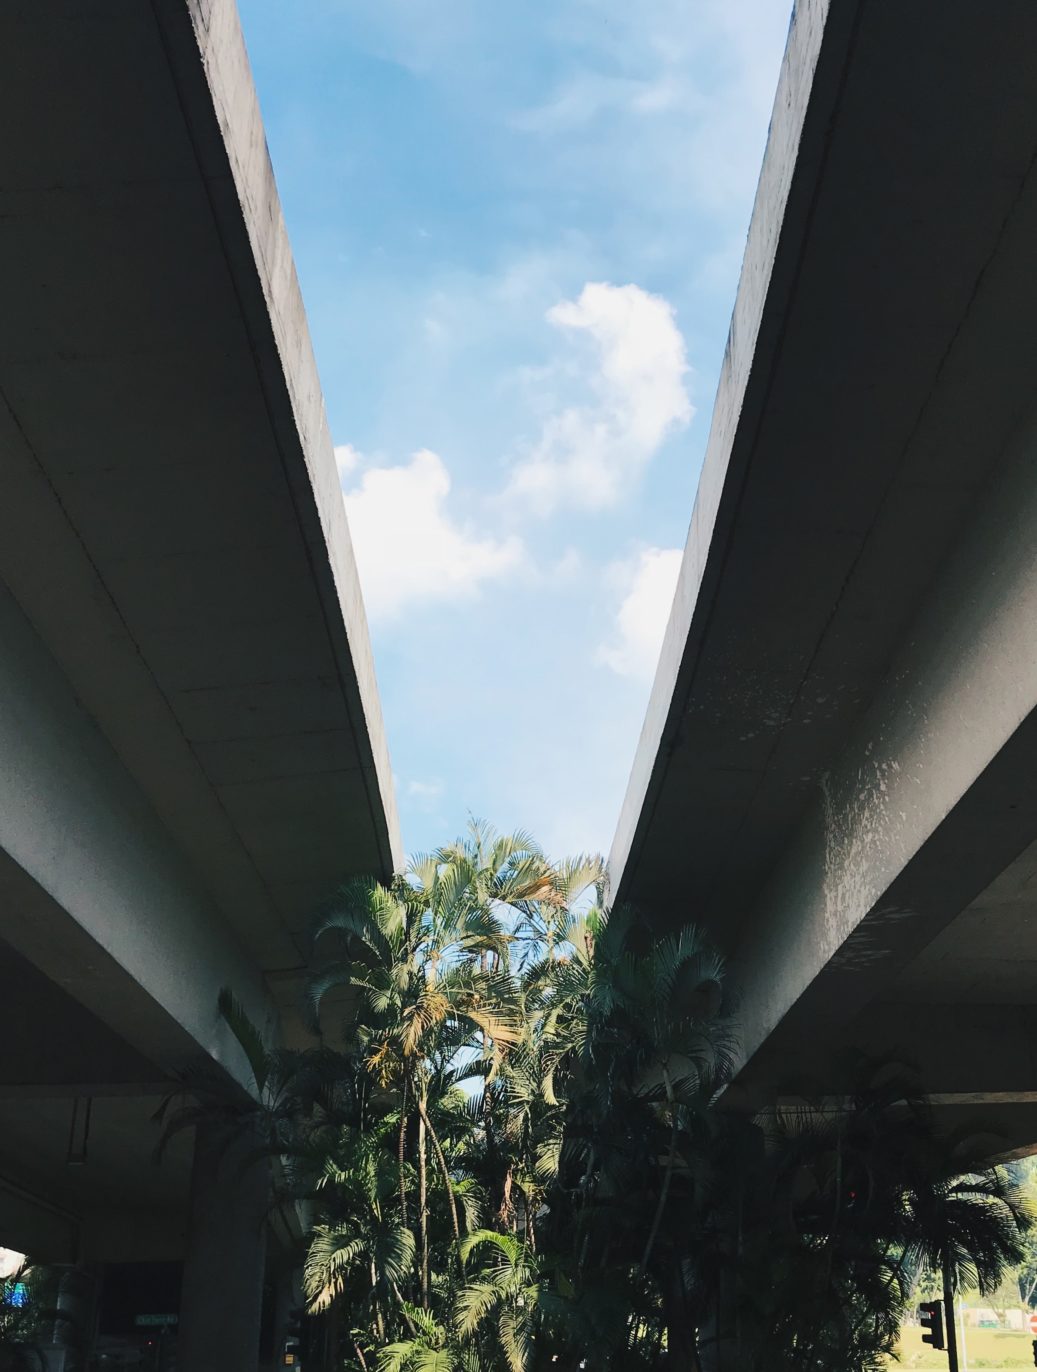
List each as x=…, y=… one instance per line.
x=411, y=978
x=852, y=1200
x=508, y=1290
x=505, y=881
x=431, y=1348
x=29, y=1318
x=517, y=1158
x=359, y=1248
x=641, y=1041
x=425, y=965
x=961, y=1218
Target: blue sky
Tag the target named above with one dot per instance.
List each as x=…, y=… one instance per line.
x=518, y=230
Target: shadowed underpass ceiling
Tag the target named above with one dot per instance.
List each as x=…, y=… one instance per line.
x=835, y=771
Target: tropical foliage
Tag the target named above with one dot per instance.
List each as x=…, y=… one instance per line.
x=30, y=1319
x=518, y=1153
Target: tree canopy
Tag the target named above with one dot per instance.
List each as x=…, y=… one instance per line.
x=519, y=1153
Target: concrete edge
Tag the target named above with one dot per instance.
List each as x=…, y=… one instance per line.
x=809, y=84
x=221, y=46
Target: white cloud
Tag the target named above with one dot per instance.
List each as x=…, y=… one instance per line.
x=347, y=459
x=425, y=790
x=425, y=797
x=569, y=566
x=409, y=549
x=587, y=455
x=709, y=86
x=643, y=614
x=582, y=98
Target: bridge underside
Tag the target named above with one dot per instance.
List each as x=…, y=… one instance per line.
x=191, y=741
x=837, y=771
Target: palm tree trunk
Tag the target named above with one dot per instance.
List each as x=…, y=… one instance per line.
x=401, y=1153
x=379, y=1323
x=491, y=1139
x=948, y=1317
x=504, y=1213
x=681, y=1352
x=332, y=1337
x=423, y=1204
x=667, y=1176
x=411, y=1328
x=588, y=1172
x=441, y=1159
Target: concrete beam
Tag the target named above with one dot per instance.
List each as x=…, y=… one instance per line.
x=92, y=892
x=174, y=530
x=227, y=131
x=967, y=1055
x=809, y=89
x=193, y=751
x=880, y=359
x=838, y=754
x=31, y=1223
x=932, y=797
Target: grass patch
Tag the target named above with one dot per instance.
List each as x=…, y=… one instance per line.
x=986, y=1349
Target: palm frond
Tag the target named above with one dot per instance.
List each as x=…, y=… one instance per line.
x=247, y=1034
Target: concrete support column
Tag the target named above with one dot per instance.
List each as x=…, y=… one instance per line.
x=282, y=1298
x=222, y=1300
x=75, y=1318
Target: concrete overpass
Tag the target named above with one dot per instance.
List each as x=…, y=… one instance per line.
x=838, y=770
x=191, y=747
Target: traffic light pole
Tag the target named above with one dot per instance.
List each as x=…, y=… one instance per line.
x=950, y=1323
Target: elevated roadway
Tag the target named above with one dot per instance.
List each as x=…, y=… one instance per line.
x=838, y=771
x=191, y=745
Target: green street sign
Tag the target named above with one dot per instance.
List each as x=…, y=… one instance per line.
x=155, y=1321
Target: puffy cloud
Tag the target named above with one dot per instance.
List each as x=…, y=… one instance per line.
x=347, y=459
x=587, y=455
x=643, y=614
x=408, y=548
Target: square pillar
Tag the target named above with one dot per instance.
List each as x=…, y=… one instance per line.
x=222, y=1300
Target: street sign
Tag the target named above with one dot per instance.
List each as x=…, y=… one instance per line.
x=155, y=1321
x=1033, y=1323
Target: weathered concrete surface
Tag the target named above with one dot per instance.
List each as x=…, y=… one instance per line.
x=838, y=754
x=899, y=824
x=222, y=1296
x=191, y=741
x=96, y=896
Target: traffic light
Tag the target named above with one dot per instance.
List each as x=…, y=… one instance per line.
x=931, y=1315
x=291, y=1349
